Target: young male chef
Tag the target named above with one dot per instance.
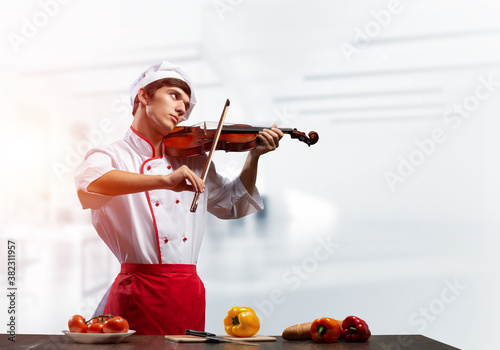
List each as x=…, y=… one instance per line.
x=140, y=201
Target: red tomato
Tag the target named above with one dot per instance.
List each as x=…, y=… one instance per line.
x=116, y=324
x=95, y=327
x=101, y=318
x=77, y=324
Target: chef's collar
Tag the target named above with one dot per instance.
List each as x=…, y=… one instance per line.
x=140, y=144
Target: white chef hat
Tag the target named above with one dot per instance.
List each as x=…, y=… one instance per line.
x=159, y=71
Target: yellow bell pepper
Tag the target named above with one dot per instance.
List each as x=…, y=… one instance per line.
x=241, y=322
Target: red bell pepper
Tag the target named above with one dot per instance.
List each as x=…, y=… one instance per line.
x=325, y=330
x=355, y=329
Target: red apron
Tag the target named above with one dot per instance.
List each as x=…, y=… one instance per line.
x=158, y=299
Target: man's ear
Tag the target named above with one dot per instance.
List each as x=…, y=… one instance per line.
x=142, y=96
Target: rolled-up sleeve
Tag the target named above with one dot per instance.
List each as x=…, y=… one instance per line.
x=230, y=199
x=95, y=165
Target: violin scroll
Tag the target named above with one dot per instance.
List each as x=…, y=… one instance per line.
x=310, y=139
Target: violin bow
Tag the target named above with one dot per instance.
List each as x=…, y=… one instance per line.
x=194, y=205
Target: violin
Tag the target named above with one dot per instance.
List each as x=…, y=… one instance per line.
x=195, y=140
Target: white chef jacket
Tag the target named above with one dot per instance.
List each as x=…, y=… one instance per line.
x=156, y=226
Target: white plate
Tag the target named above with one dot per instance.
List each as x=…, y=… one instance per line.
x=98, y=338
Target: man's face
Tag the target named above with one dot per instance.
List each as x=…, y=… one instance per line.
x=166, y=108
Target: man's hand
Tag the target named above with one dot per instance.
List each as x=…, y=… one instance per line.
x=184, y=179
x=268, y=141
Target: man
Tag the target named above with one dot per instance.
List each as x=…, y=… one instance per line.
x=140, y=201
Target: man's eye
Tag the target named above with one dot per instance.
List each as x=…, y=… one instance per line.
x=174, y=96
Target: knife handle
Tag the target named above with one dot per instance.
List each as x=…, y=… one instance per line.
x=198, y=333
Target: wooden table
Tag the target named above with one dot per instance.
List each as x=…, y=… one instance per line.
x=145, y=342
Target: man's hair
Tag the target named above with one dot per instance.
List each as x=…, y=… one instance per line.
x=151, y=89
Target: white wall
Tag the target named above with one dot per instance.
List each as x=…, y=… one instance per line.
x=392, y=216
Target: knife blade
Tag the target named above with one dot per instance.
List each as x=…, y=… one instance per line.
x=214, y=337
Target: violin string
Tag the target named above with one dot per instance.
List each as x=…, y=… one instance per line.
x=249, y=129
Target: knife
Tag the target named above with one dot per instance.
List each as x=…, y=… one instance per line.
x=214, y=337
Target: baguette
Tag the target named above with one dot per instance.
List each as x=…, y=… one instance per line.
x=298, y=332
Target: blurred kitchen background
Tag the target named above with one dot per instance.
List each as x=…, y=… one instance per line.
x=392, y=216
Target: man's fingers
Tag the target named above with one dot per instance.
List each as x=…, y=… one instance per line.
x=270, y=138
x=196, y=182
x=184, y=179
x=280, y=133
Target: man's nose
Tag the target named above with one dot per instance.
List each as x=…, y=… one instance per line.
x=181, y=108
